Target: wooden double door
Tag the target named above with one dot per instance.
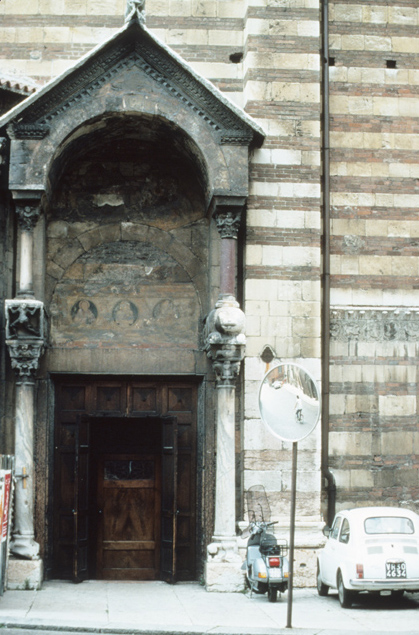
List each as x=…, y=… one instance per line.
x=130, y=483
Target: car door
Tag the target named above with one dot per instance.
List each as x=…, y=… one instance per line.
x=344, y=550
x=328, y=560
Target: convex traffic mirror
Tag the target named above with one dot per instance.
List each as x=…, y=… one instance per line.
x=289, y=402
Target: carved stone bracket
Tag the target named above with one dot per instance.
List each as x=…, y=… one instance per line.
x=28, y=131
x=3, y=162
x=371, y=324
x=225, y=339
x=25, y=335
x=3, y=150
x=227, y=213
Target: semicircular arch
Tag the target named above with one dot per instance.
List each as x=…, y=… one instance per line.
x=85, y=241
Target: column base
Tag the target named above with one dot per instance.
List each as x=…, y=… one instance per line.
x=24, y=546
x=24, y=575
x=223, y=572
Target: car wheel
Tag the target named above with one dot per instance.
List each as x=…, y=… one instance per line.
x=345, y=597
x=322, y=589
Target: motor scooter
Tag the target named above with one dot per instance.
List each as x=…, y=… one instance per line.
x=266, y=564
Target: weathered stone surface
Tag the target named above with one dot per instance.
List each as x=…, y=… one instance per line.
x=224, y=577
x=23, y=575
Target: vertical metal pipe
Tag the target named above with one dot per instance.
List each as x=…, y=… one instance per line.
x=331, y=489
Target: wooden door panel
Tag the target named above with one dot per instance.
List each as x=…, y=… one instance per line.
x=144, y=399
x=128, y=513
x=110, y=398
x=128, y=532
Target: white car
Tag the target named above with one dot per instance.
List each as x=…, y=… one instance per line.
x=370, y=549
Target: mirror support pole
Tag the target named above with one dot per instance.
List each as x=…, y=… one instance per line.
x=292, y=534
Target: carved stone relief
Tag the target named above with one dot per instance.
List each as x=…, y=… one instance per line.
x=225, y=339
x=375, y=324
x=25, y=332
x=125, y=294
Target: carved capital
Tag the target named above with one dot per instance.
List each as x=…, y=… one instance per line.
x=225, y=339
x=28, y=213
x=227, y=213
x=25, y=357
x=25, y=335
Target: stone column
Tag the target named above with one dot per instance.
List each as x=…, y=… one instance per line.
x=25, y=338
x=27, y=205
x=225, y=344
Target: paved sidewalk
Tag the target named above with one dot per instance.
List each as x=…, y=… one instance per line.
x=187, y=609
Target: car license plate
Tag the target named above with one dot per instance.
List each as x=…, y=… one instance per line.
x=396, y=570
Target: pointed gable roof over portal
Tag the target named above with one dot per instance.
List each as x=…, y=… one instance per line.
x=133, y=44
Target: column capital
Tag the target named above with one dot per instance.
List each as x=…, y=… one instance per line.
x=25, y=335
x=27, y=207
x=25, y=358
x=225, y=339
x=227, y=213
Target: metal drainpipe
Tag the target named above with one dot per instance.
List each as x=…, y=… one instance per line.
x=331, y=483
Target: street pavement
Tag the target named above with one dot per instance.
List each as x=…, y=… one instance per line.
x=156, y=608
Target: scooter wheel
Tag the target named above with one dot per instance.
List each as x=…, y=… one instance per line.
x=262, y=587
x=272, y=594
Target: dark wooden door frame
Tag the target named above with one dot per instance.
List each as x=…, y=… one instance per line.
x=175, y=399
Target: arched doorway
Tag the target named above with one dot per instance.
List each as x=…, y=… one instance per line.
x=126, y=215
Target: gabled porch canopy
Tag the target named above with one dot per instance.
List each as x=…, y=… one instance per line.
x=131, y=73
